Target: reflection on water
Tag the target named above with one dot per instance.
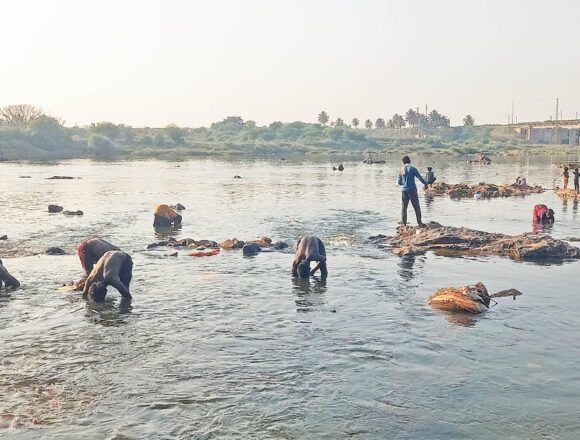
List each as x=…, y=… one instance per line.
x=232, y=347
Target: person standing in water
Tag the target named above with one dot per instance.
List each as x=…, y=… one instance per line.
x=566, y=176
x=576, y=180
x=407, y=177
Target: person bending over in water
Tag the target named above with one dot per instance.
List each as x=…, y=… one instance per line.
x=6, y=278
x=114, y=268
x=309, y=248
x=521, y=181
x=90, y=251
x=166, y=217
x=543, y=215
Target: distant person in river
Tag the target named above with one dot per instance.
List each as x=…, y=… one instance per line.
x=430, y=177
x=114, y=268
x=7, y=279
x=406, y=180
x=90, y=251
x=309, y=248
x=576, y=180
x=166, y=217
x=566, y=176
x=521, y=181
x=542, y=214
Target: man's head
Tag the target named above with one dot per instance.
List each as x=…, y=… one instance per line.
x=429, y=169
x=550, y=215
x=406, y=160
x=303, y=269
x=97, y=291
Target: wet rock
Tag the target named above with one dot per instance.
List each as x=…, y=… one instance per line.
x=279, y=245
x=3, y=237
x=24, y=177
x=158, y=244
x=60, y=178
x=483, y=190
x=177, y=207
x=234, y=243
x=505, y=293
x=341, y=167
x=78, y=212
x=172, y=254
x=481, y=159
x=55, y=251
x=473, y=299
x=237, y=177
x=262, y=242
x=54, y=208
x=206, y=244
x=566, y=193
x=452, y=241
x=251, y=249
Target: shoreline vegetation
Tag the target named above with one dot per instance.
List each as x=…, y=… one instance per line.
x=28, y=134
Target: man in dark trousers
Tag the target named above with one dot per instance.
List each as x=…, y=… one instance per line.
x=407, y=177
x=115, y=268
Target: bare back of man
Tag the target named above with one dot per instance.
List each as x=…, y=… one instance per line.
x=7, y=279
x=114, y=268
x=310, y=248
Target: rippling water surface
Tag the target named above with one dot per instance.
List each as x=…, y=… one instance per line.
x=232, y=347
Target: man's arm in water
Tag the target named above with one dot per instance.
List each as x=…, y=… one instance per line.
x=118, y=284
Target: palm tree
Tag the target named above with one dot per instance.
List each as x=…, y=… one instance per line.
x=398, y=121
x=411, y=117
x=468, y=121
x=380, y=123
x=323, y=118
x=369, y=124
x=355, y=122
x=339, y=122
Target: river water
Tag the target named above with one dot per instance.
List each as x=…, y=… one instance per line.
x=232, y=347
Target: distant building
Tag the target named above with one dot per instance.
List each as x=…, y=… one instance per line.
x=550, y=134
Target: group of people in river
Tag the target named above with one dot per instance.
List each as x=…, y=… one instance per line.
x=107, y=265
x=566, y=176
x=406, y=180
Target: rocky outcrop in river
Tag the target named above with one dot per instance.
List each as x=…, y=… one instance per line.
x=452, y=241
x=567, y=193
x=484, y=190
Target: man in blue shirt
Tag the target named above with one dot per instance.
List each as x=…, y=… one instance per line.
x=409, y=189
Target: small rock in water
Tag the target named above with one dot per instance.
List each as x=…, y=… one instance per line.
x=79, y=212
x=172, y=254
x=24, y=177
x=60, y=178
x=3, y=237
x=234, y=243
x=54, y=208
x=279, y=245
x=237, y=177
x=55, y=251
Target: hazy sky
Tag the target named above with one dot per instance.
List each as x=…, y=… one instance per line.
x=150, y=63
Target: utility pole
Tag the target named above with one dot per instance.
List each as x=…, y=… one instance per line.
x=557, y=102
x=512, y=112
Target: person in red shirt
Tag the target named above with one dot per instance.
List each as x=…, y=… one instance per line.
x=542, y=214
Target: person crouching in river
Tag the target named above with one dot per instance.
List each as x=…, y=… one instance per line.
x=115, y=268
x=6, y=278
x=166, y=217
x=309, y=248
x=542, y=214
